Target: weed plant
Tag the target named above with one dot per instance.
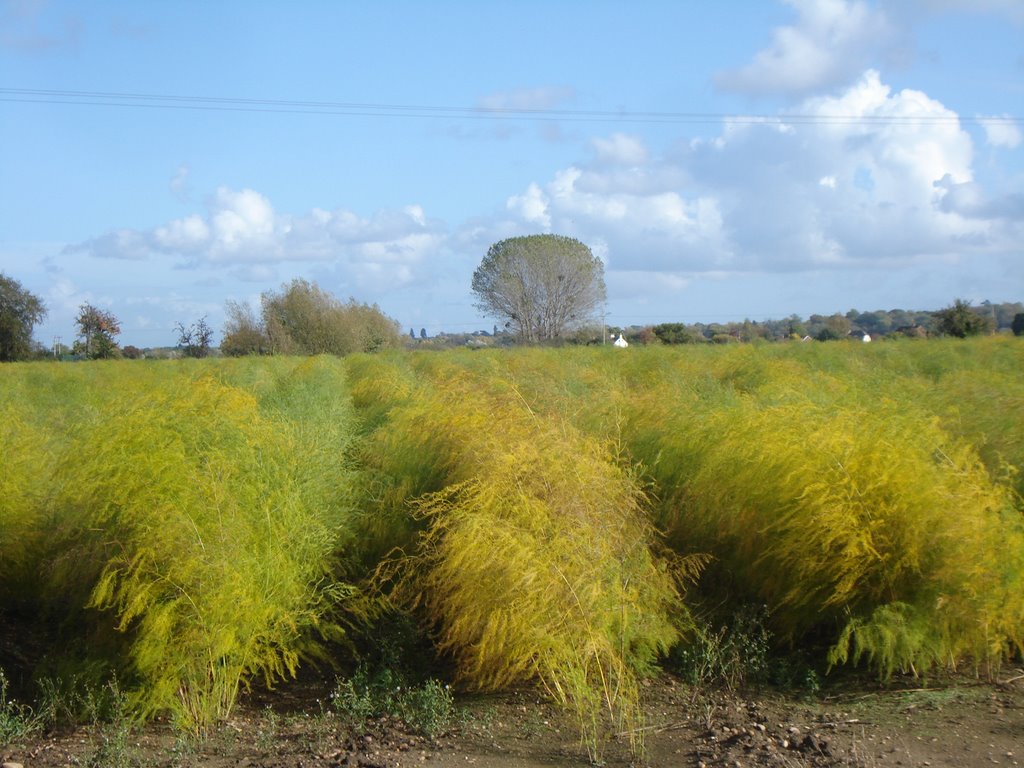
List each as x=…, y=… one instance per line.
x=78, y=700
x=17, y=721
x=111, y=733
x=734, y=655
x=427, y=708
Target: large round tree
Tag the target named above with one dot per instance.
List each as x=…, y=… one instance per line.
x=20, y=310
x=540, y=285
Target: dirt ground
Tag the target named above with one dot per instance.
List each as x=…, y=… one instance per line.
x=958, y=722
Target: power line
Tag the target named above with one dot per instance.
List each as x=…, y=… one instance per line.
x=361, y=109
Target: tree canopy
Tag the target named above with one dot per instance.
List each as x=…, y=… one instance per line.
x=962, y=321
x=540, y=285
x=243, y=332
x=673, y=333
x=20, y=310
x=304, y=319
x=97, y=329
x=194, y=340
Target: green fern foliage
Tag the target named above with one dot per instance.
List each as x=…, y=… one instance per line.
x=22, y=457
x=211, y=537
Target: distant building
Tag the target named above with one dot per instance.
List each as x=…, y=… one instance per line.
x=621, y=342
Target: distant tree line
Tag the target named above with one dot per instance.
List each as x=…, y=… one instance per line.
x=303, y=319
x=299, y=319
x=960, y=320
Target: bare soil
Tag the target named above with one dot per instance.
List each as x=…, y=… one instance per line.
x=958, y=722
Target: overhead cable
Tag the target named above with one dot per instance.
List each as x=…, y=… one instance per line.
x=362, y=109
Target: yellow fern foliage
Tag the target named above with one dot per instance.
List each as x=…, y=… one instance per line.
x=537, y=560
x=832, y=483
x=856, y=516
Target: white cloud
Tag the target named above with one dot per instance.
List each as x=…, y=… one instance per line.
x=885, y=156
x=116, y=244
x=620, y=149
x=254, y=273
x=889, y=184
x=242, y=232
x=970, y=200
x=909, y=138
x=244, y=221
x=639, y=286
x=179, y=183
x=64, y=295
x=831, y=41
x=183, y=235
x=646, y=224
x=31, y=26
x=416, y=214
x=532, y=207
x=1001, y=131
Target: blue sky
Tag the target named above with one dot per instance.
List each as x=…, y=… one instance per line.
x=727, y=160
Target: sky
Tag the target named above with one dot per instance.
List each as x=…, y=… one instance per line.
x=725, y=160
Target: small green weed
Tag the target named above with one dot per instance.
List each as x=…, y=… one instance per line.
x=353, y=701
x=734, y=655
x=796, y=674
x=480, y=718
x=112, y=745
x=319, y=730
x=269, y=729
x=113, y=748
x=78, y=700
x=427, y=709
x=183, y=753
x=16, y=720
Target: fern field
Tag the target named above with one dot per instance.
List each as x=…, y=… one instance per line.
x=564, y=517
